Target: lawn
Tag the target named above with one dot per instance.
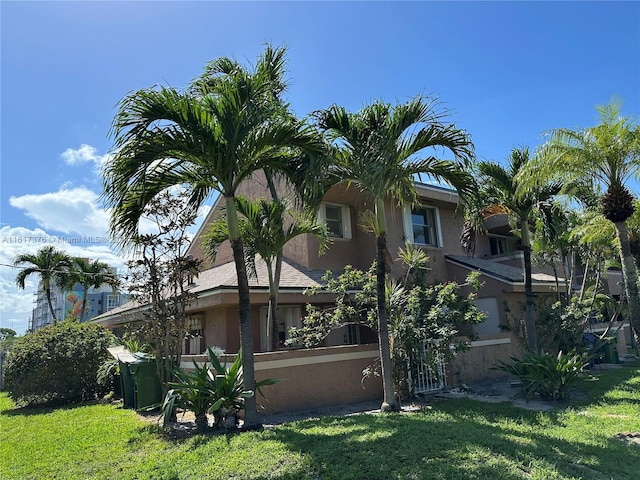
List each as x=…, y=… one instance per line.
x=452, y=439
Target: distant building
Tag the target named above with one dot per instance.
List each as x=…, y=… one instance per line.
x=68, y=303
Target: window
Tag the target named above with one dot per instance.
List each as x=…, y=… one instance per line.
x=288, y=316
x=113, y=301
x=337, y=219
x=422, y=226
x=498, y=245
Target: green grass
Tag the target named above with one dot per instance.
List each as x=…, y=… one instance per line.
x=453, y=439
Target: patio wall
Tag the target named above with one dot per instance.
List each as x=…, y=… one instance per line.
x=477, y=363
x=312, y=378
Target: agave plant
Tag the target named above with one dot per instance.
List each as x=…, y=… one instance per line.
x=211, y=388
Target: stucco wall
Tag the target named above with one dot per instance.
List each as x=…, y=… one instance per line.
x=313, y=378
x=476, y=363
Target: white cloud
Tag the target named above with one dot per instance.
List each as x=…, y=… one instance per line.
x=84, y=154
x=70, y=211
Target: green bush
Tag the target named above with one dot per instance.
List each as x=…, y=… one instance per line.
x=550, y=376
x=57, y=364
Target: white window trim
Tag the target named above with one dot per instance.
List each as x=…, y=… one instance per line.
x=346, y=219
x=408, y=225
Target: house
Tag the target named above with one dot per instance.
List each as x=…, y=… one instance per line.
x=332, y=373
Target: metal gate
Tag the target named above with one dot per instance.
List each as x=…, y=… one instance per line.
x=427, y=369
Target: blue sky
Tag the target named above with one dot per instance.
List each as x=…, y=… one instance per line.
x=507, y=71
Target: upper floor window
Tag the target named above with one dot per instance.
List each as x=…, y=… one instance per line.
x=422, y=225
x=113, y=301
x=337, y=219
x=499, y=245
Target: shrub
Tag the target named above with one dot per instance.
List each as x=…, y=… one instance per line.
x=205, y=391
x=548, y=375
x=57, y=364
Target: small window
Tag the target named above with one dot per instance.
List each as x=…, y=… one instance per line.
x=422, y=226
x=499, y=245
x=337, y=219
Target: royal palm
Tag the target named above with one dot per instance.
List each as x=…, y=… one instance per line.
x=381, y=148
x=503, y=192
x=51, y=264
x=210, y=138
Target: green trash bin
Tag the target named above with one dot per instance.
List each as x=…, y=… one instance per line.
x=126, y=380
x=609, y=350
x=146, y=384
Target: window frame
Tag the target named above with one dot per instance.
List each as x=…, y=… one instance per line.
x=408, y=224
x=345, y=219
x=508, y=249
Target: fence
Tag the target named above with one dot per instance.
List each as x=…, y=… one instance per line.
x=427, y=369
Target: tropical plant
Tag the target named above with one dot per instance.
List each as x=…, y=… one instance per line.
x=503, y=193
x=266, y=227
x=381, y=148
x=57, y=363
x=229, y=124
x=90, y=274
x=220, y=392
x=419, y=312
x=605, y=156
x=160, y=278
x=51, y=264
x=550, y=376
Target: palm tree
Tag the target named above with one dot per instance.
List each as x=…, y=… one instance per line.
x=212, y=137
x=90, y=274
x=606, y=157
x=381, y=148
x=266, y=227
x=51, y=264
x=503, y=193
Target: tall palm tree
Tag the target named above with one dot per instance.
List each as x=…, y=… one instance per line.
x=210, y=138
x=381, y=148
x=606, y=157
x=266, y=227
x=51, y=264
x=90, y=274
x=503, y=193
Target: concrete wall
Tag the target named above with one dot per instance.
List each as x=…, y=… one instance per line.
x=476, y=363
x=313, y=378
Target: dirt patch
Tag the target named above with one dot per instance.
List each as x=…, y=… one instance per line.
x=630, y=438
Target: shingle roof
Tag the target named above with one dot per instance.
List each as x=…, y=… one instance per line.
x=293, y=276
x=499, y=270
x=224, y=276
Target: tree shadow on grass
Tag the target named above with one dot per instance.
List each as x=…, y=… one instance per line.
x=456, y=443
x=43, y=409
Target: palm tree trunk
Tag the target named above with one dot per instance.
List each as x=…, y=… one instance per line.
x=53, y=314
x=529, y=318
x=251, y=419
x=84, y=301
x=630, y=276
x=584, y=281
x=273, y=302
x=389, y=403
x=555, y=276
